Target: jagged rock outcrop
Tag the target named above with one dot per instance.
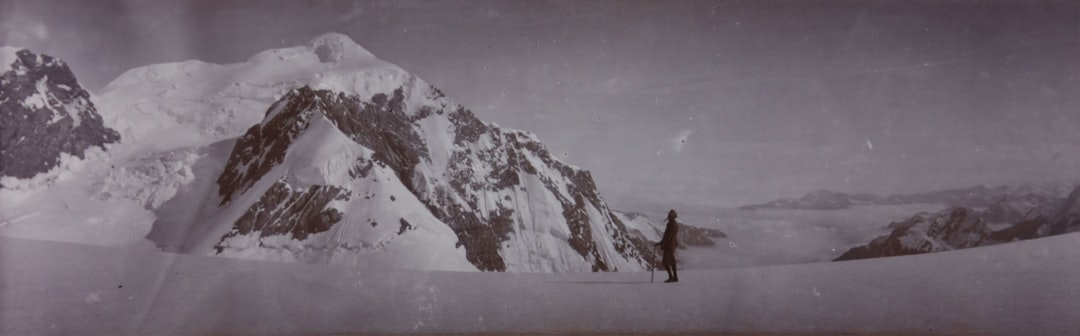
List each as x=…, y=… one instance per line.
x=44, y=114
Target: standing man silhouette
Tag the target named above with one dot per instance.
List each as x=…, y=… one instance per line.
x=668, y=244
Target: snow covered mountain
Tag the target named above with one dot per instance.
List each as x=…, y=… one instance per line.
x=949, y=229
x=45, y=115
x=177, y=122
x=359, y=157
x=351, y=160
x=1032, y=213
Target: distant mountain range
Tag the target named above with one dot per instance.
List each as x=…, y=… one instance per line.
x=1027, y=211
x=1019, y=198
x=1031, y=213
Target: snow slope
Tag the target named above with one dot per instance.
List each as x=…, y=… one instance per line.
x=164, y=106
x=1020, y=288
x=99, y=201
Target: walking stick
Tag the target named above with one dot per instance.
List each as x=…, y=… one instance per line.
x=652, y=266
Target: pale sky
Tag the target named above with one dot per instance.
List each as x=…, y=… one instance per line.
x=670, y=104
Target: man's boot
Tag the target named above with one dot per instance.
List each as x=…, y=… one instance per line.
x=670, y=273
x=675, y=274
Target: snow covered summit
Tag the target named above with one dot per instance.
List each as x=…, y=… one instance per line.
x=352, y=159
x=171, y=105
x=333, y=47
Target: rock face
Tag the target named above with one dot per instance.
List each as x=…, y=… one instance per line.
x=510, y=204
x=293, y=213
x=44, y=113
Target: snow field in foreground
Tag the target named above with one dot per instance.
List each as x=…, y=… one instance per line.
x=1021, y=288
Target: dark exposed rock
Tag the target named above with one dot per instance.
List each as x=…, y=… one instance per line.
x=264, y=145
x=481, y=240
x=469, y=128
x=405, y=226
x=284, y=211
x=361, y=168
x=379, y=125
x=45, y=112
x=581, y=239
x=390, y=135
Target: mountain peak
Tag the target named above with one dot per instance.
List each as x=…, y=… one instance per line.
x=332, y=47
x=46, y=113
